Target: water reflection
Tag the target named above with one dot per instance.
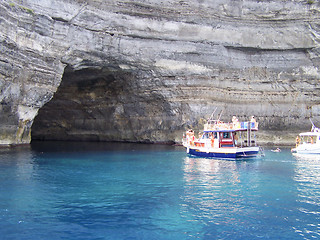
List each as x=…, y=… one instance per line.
x=93, y=147
x=245, y=197
x=307, y=176
x=20, y=159
x=218, y=194
x=205, y=170
x=19, y=184
x=307, y=157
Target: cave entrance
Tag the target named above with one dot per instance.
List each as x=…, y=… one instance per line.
x=88, y=106
x=104, y=105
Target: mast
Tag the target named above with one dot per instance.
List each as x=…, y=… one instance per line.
x=220, y=115
x=211, y=117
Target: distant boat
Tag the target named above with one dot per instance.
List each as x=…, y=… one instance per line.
x=224, y=140
x=308, y=142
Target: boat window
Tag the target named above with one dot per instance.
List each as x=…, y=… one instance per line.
x=209, y=135
x=226, y=135
x=206, y=136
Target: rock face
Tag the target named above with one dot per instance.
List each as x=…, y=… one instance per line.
x=145, y=71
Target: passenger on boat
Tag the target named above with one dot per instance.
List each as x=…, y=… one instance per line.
x=311, y=140
x=235, y=122
x=253, y=120
x=235, y=137
x=190, y=137
x=212, y=141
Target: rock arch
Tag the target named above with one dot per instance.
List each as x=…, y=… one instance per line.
x=106, y=104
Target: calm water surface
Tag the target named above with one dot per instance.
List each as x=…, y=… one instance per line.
x=131, y=191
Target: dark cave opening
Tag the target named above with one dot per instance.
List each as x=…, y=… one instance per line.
x=82, y=108
x=105, y=105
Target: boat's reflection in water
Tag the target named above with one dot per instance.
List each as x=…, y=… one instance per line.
x=216, y=191
x=208, y=170
x=308, y=177
x=279, y=191
x=307, y=157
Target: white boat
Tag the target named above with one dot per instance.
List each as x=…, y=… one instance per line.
x=308, y=142
x=224, y=140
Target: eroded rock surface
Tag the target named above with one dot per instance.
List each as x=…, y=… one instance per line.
x=148, y=70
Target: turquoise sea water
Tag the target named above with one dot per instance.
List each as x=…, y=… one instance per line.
x=131, y=191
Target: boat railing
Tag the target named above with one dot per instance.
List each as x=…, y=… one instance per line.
x=251, y=125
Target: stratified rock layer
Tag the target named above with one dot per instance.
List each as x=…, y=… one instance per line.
x=147, y=70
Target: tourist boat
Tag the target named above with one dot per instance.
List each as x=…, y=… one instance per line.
x=224, y=140
x=308, y=142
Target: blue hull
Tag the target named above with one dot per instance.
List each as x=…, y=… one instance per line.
x=248, y=154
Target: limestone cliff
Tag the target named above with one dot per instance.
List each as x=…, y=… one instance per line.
x=147, y=70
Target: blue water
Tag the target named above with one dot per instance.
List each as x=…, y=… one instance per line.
x=130, y=191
